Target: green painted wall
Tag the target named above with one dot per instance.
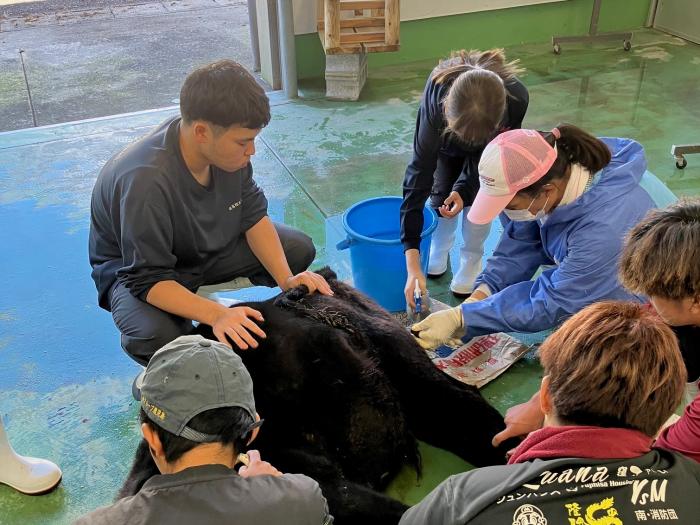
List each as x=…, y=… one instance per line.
x=436, y=37
x=310, y=57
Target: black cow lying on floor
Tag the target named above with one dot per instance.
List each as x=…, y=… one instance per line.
x=345, y=392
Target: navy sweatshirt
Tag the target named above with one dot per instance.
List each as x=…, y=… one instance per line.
x=429, y=141
x=151, y=221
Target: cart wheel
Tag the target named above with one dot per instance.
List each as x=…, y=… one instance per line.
x=627, y=45
x=557, y=49
x=681, y=163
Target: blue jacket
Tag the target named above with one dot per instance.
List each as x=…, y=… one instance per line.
x=582, y=240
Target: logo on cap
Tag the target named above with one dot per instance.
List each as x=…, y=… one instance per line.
x=153, y=409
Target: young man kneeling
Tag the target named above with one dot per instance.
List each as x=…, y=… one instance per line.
x=613, y=375
x=197, y=414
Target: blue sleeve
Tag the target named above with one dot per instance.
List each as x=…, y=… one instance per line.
x=586, y=275
x=418, y=180
x=517, y=256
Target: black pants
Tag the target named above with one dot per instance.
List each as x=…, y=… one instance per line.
x=447, y=171
x=145, y=328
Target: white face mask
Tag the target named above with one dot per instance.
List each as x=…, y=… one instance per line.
x=526, y=214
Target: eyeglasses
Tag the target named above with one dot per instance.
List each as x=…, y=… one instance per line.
x=255, y=425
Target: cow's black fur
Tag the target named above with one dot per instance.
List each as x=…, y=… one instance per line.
x=345, y=392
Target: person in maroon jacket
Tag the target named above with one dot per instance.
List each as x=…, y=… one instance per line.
x=612, y=375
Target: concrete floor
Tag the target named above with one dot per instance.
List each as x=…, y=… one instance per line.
x=64, y=381
x=68, y=60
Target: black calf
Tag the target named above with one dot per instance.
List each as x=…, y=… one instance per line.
x=345, y=392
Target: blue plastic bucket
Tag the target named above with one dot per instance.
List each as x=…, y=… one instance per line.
x=373, y=228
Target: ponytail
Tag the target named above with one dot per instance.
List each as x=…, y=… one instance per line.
x=574, y=146
x=580, y=147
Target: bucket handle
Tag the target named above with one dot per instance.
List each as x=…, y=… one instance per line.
x=344, y=244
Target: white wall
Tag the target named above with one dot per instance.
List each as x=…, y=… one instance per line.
x=264, y=41
x=304, y=16
x=305, y=10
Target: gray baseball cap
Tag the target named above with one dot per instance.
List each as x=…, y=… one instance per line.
x=189, y=376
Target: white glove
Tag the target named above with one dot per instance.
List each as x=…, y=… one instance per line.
x=482, y=292
x=445, y=326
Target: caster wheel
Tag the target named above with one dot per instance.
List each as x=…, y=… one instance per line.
x=627, y=45
x=557, y=49
x=681, y=163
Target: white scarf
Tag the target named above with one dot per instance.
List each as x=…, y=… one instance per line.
x=579, y=182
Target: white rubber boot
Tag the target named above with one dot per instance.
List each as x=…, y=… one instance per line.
x=25, y=474
x=442, y=240
x=470, y=256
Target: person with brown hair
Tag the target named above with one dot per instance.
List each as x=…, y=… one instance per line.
x=468, y=99
x=613, y=375
x=567, y=199
x=661, y=260
x=178, y=210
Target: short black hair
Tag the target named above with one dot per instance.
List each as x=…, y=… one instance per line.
x=224, y=94
x=231, y=424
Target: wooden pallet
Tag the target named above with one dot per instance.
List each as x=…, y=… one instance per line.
x=354, y=26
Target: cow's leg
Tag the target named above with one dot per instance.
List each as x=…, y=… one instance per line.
x=440, y=410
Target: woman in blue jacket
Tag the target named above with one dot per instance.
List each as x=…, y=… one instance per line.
x=567, y=199
x=468, y=99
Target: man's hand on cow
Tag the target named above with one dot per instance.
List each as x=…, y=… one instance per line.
x=521, y=420
x=257, y=467
x=313, y=281
x=239, y=324
x=445, y=326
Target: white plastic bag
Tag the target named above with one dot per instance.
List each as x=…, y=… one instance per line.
x=477, y=362
x=481, y=360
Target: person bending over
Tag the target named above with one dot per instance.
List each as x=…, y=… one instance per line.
x=660, y=260
x=469, y=98
x=566, y=199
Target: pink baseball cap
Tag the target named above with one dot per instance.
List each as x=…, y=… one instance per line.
x=512, y=161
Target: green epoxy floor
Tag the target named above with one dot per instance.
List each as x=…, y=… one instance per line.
x=314, y=160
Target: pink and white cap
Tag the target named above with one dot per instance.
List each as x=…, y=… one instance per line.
x=512, y=161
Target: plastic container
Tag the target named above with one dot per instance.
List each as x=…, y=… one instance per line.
x=373, y=231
